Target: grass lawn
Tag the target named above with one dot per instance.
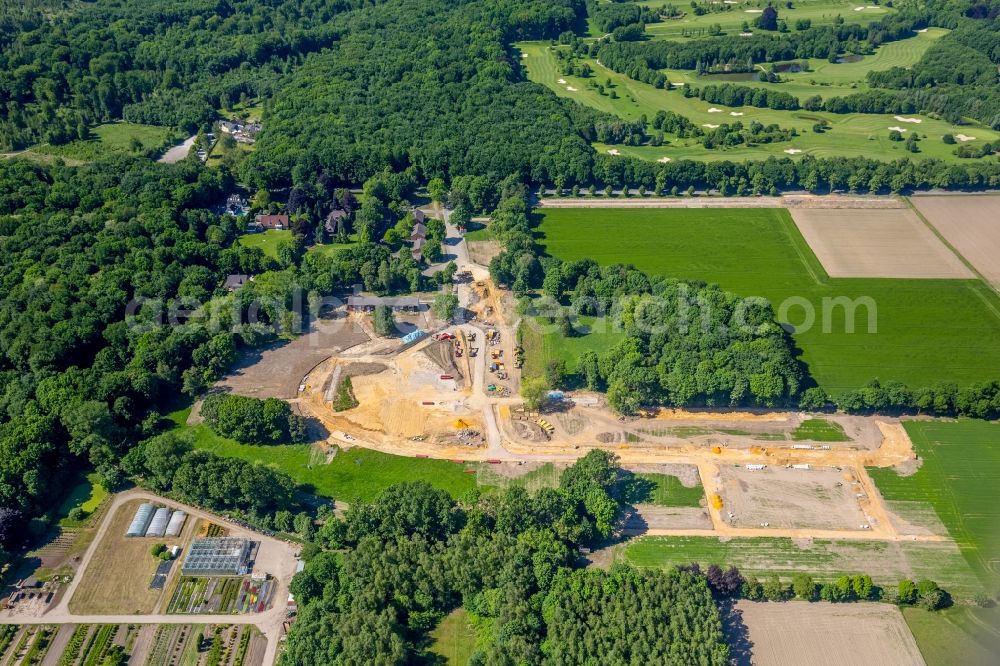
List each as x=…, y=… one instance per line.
x=332, y=248
x=353, y=475
x=544, y=343
x=886, y=562
x=267, y=241
x=820, y=12
x=669, y=491
x=109, y=139
x=927, y=330
x=454, y=639
x=88, y=495
x=478, y=231
x=820, y=430
x=849, y=135
x=957, y=477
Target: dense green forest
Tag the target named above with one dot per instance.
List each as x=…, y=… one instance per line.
x=379, y=579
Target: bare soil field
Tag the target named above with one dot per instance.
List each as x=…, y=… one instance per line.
x=278, y=370
x=653, y=517
x=116, y=580
x=971, y=224
x=821, y=634
x=877, y=244
x=787, y=498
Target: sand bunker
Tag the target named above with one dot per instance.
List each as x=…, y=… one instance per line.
x=663, y=160
x=904, y=119
x=754, y=11
x=923, y=30
x=963, y=137
x=715, y=110
x=709, y=125
x=863, y=7
x=793, y=151
x=897, y=128
x=736, y=113
x=571, y=88
x=613, y=151
x=561, y=81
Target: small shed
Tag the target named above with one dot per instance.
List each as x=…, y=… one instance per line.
x=235, y=281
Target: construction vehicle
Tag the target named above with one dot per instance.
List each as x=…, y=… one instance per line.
x=473, y=351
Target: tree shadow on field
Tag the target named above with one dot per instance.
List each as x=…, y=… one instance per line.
x=737, y=634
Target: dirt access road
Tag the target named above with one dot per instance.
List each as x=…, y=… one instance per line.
x=277, y=558
x=783, y=201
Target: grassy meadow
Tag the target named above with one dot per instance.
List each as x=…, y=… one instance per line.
x=847, y=135
x=886, y=562
x=927, y=330
x=266, y=241
x=352, y=475
x=732, y=16
x=109, y=139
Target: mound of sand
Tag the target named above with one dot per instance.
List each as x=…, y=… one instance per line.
x=964, y=137
x=709, y=125
x=793, y=151
x=897, y=128
x=663, y=160
x=904, y=119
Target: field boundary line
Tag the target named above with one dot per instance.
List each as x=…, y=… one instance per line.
x=799, y=250
x=954, y=250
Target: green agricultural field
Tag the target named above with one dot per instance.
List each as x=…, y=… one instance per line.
x=109, y=139
x=963, y=635
x=353, y=475
x=927, y=330
x=267, y=241
x=885, y=562
x=820, y=12
x=848, y=135
x=960, y=463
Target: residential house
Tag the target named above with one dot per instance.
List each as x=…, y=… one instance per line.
x=336, y=221
x=271, y=221
x=235, y=281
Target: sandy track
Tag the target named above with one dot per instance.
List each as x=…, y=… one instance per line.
x=971, y=224
x=877, y=244
x=784, y=201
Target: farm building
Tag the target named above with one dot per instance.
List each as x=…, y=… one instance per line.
x=140, y=522
x=407, y=304
x=218, y=556
x=176, y=524
x=158, y=525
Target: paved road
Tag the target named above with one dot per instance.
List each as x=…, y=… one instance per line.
x=281, y=561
